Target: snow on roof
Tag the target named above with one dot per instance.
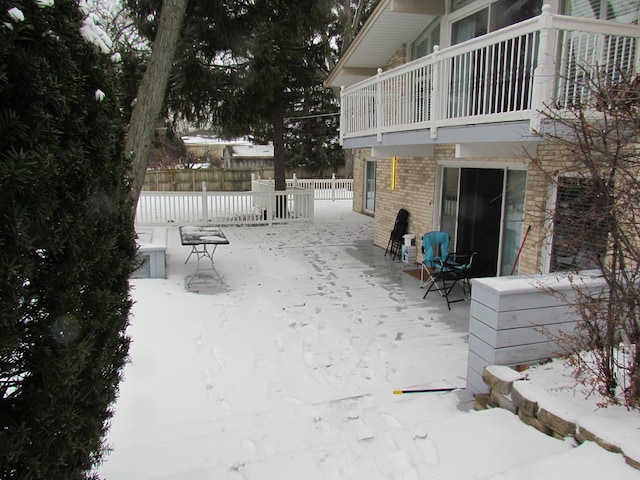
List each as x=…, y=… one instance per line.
x=251, y=150
x=203, y=138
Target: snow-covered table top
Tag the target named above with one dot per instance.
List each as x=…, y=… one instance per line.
x=197, y=235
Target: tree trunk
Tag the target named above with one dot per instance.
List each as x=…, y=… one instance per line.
x=152, y=89
x=279, y=153
x=279, y=156
x=348, y=163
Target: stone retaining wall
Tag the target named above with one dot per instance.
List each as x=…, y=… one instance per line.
x=509, y=389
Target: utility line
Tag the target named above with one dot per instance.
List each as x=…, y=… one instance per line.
x=313, y=116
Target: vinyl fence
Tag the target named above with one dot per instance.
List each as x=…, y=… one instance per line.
x=260, y=206
x=224, y=208
x=325, y=189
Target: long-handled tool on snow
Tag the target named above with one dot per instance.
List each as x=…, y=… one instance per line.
x=426, y=390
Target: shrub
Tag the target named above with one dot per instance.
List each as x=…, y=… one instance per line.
x=67, y=243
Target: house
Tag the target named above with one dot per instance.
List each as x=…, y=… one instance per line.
x=247, y=156
x=206, y=146
x=441, y=105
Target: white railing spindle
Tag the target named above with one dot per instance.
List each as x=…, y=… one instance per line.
x=510, y=74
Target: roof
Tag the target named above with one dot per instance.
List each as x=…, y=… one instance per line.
x=391, y=24
x=208, y=137
x=250, y=151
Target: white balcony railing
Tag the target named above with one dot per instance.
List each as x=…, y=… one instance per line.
x=511, y=74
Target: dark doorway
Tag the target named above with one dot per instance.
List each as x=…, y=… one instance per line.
x=479, y=217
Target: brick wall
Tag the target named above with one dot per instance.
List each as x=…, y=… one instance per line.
x=414, y=191
x=398, y=58
x=416, y=187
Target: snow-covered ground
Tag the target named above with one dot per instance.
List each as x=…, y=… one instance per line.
x=286, y=370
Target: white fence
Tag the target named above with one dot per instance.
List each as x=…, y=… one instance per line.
x=325, y=189
x=261, y=206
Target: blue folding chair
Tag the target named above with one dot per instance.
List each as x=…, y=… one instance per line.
x=435, y=246
x=438, y=265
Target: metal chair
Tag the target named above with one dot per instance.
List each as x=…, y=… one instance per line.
x=394, y=247
x=435, y=247
x=438, y=265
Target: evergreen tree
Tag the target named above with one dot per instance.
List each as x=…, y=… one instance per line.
x=241, y=63
x=248, y=66
x=279, y=56
x=311, y=138
x=67, y=245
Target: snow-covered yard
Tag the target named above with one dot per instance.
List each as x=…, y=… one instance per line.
x=286, y=369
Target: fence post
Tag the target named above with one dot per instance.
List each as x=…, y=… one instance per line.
x=343, y=126
x=271, y=201
x=333, y=187
x=542, y=93
x=434, y=100
x=295, y=181
x=379, y=107
x=205, y=209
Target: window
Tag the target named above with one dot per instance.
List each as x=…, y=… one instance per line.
x=513, y=221
x=457, y=4
x=508, y=12
x=429, y=38
x=579, y=233
x=370, y=186
x=498, y=15
x=470, y=27
x=623, y=11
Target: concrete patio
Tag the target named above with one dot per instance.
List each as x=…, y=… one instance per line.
x=309, y=322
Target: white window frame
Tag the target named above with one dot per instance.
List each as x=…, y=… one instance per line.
x=446, y=26
x=365, y=189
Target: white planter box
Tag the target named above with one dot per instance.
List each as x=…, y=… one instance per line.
x=152, y=249
x=515, y=320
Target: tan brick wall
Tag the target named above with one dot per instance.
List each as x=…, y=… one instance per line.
x=398, y=58
x=416, y=186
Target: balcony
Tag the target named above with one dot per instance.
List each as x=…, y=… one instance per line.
x=510, y=75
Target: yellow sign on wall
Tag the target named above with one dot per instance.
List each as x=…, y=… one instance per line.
x=394, y=164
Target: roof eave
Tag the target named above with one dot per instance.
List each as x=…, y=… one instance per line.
x=398, y=21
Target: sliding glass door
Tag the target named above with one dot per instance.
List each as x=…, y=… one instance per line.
x=483, y=209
